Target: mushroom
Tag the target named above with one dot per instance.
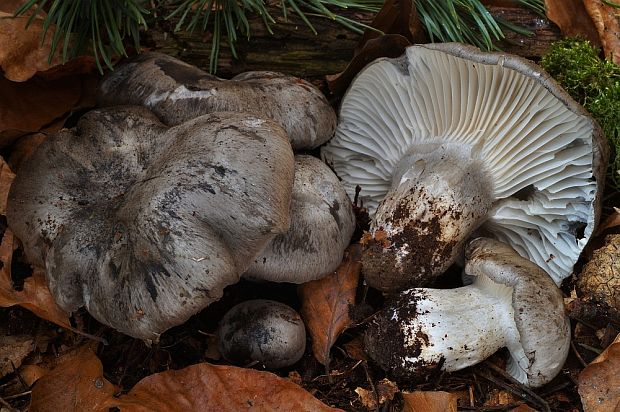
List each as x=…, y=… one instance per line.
x=145, y=224
x=262, y=331
x=176, y=91
x=511, y=303
x=322, y=223
x=446, y=140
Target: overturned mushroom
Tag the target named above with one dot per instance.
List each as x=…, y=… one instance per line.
x=512, y=303
x=262, y=331
x=144, y=225
x=447, y=139
x=322, y=223
x=176, y=91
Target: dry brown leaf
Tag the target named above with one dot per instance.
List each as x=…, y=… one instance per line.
x=9, y=6
x=22, y=53
x=29, y=374
x=396, y=17
x=23, y=149
x=355, y=349
x=572, y=18
x=523, y=408
x=599, y=382
x=325, y=303
x=35, y=296
x=42, y=104
x=606, y=21
x=6, y=180
x=400, y=22
x=420, y=401
x=205, y=387
x=388, y=45
x=612, y=221
x=13, y=351
x=385, y=391
x=500, y=397
x=76, y=384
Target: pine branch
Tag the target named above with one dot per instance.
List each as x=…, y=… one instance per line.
x=101, y=27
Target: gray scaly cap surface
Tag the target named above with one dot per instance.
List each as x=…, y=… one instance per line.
x=448, y=139
x=511, y=303
x=322, y=223
x=176, y=91
x=144, y=225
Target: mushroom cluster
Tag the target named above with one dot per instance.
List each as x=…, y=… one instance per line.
x=449, y=143
x=147, y=209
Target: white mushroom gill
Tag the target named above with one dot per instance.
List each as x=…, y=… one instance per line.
x=535, y=144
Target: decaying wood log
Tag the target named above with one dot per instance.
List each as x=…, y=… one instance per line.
x=295, y=49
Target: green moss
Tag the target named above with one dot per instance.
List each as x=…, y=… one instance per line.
x=593, y=82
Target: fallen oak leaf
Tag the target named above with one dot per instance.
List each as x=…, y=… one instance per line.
x=607, y=24
x=13, y=350
x=23, y=53
x=75, y=384
x=384, y=390
x=219, y=388
x=325, y=303
x=42, y=104
x=396, y=26
x=6, y=180
x=420, y=401
x=35, y=296
x=29, y=374
x=572, y=19
x=395, y=17
x=388, y=45
x=599, y=382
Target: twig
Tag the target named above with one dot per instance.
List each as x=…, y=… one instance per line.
x=556, y=388
x=579, y=358
x=590, y=348
x=583, y=322
x=372, y=386
x=19, y=395
x=507, y=407
x=521, y=390
x=87, y=335
x=7, y=405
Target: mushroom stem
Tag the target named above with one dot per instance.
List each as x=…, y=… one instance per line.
x=511, y=303
x=448, y=329
x=440, y=194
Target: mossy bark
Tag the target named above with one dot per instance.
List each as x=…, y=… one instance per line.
x=294, y=49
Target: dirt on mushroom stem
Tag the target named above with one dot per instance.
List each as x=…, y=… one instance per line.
x=439, y=197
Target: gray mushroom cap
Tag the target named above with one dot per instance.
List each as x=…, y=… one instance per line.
x=144, y=225
x=540, y=157
x=176, y=91
x=266, y=331
x=322, y=223
x=511, y=303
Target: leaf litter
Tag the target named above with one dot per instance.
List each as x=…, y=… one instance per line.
x=173, y=373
